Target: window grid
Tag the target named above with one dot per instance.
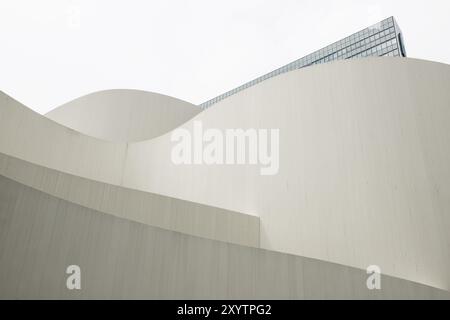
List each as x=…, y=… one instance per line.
x=377, y=40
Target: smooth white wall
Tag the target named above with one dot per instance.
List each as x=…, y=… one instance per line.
x=364, y=165
x=30, y=136
x=124, y=115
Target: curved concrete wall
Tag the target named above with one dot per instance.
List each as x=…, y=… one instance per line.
x=144, y=207
x=124, y=115
x=27, y=135
x=40, y=236
x=364, y=163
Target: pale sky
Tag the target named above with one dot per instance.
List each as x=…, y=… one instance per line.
x=54, y=51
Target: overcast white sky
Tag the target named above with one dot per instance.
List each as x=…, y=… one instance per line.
x=54, y=51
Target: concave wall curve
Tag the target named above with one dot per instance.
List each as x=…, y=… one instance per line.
x=364, y=175
x=364, y=151
x=124, y=115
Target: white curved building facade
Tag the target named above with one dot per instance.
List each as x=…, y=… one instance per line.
x=124, y=115
x=363, y=179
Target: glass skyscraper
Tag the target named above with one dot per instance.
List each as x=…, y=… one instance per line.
x=381, y=39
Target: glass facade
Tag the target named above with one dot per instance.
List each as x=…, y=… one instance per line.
x=381, y=39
